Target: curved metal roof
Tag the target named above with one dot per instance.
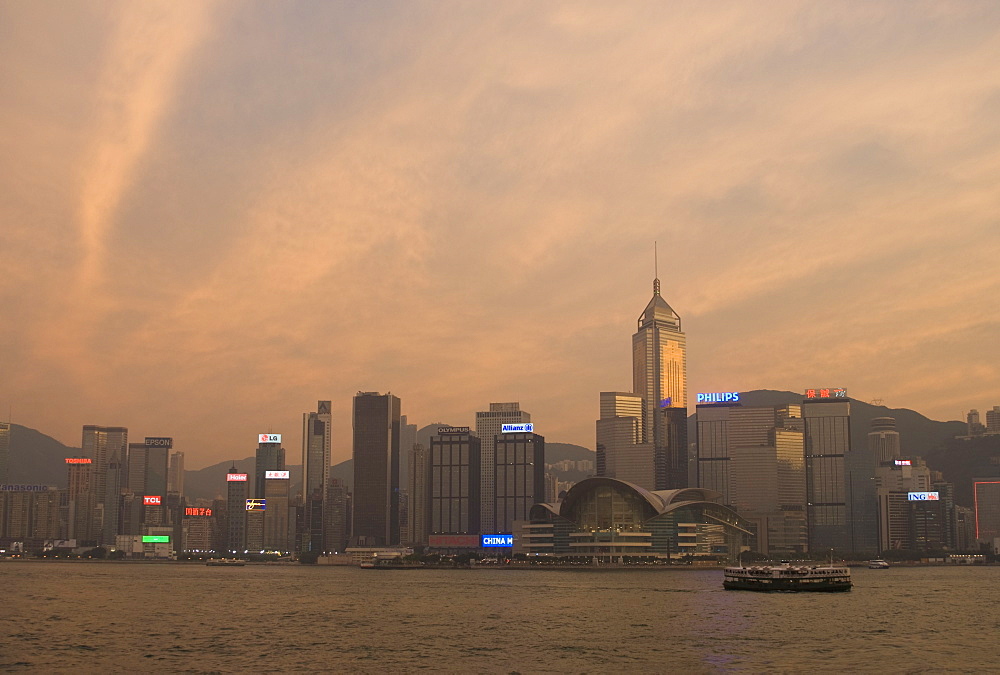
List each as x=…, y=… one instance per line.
x=660, y=501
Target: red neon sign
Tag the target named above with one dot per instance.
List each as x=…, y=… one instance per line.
x=151, y=500
x=79, y=460
x=231, y=477
x=197, y=511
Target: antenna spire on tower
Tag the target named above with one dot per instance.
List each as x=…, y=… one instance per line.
x=656, y=272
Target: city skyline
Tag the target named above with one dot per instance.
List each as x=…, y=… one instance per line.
x=219, y=214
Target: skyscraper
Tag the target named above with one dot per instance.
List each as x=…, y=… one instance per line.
x=659, y=376
x=519, y=478
x=376, y=469
x=489, y=423
x=175, y=474
x=840, y=479
x=883, y=441
x=237, y=491
x=456, y=480
x=316, y=448
x=993, y=420
x=4, y=452
x=419, y=495
x=270, y=457
x=99, y=443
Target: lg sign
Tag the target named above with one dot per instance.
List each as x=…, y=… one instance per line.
x=270, y=438
x=151, y=500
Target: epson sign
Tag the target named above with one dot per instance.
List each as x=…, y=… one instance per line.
x=497, y=541
x=159, y=442
x=526, y=428
x=720, y=397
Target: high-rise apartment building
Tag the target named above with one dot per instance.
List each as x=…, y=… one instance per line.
x=986, y=507
x=455, y=481
x=419, y=469
x=993, y=420
x=375, y=505
x=489, y=424
x=883, y=441
x=621, y=451
x=974, y=425
x=276, y=517
x=519, y=478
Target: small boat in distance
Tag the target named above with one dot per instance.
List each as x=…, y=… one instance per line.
x=226, y=562
x=878, y=564
x=787, y=577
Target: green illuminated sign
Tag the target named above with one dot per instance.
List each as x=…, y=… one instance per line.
x=156, y=539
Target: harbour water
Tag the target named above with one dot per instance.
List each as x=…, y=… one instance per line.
x=119, y=617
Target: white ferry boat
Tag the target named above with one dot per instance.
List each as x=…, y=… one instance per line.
x=787, y=577
x=878, y=564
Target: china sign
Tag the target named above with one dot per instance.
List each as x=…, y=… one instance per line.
x=269, y=438
x=233, y=477
x=826, y=393
x=923, y=496
x=151, y=500
x=276, y=474
x=497, y=541
x=527, y=428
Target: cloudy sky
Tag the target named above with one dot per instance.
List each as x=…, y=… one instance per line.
x=212, y=216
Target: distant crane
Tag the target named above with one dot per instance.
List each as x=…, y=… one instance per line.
x=877, y=401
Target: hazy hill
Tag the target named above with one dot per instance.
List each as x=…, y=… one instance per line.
x=37, y=459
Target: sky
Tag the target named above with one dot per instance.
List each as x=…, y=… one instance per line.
x=214, y=215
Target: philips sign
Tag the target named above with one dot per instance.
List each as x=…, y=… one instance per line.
x=923, y=496
x=159, y=442
x=527, y=428
x=269, y=438
x=497, y=541
x=720, y=397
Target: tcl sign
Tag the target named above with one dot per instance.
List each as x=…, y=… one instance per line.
x=151, y=500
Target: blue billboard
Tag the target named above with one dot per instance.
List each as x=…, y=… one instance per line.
x=497, y=540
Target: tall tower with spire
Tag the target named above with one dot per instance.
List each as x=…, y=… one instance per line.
x=659, y=376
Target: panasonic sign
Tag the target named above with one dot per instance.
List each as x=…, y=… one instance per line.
x=720, y=397
x=497, y=541
x=527, y=428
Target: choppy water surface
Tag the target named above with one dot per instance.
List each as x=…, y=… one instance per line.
x=176, y=617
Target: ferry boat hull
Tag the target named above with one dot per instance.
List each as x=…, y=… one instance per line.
x=788, y=578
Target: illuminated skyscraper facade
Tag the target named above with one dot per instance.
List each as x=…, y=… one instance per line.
x=642, y=434
x=375, y=505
